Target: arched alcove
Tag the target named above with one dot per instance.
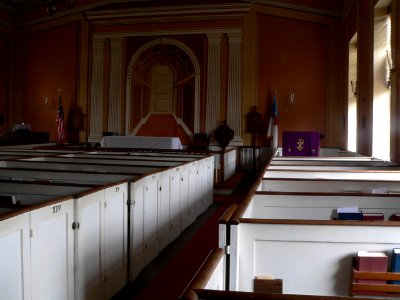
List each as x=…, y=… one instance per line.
x=163, y=68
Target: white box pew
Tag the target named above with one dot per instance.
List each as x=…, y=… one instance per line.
x=100, y=240
x=53, y=176
x=164, y=204
x=52, y=251
x=328, y=185
x=383, y=175
x=99, y=168
x=332, y=161
x=304, y=160
x=311, y=257
x=293, y=237
x=21, y=188
x=332, y=168
x=146, y=209
x=15, y=274
x=193, y=200
x=104, y=161
x=142, y=156
x=37, y=251
x=161, y=207
x=315, y=206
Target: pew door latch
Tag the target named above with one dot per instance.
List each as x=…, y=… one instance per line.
x=227, y=249
x=75, y=225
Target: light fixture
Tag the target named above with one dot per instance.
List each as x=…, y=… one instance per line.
x=354, y=87
x=391, y=68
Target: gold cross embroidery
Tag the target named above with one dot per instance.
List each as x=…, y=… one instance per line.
x=300, y=144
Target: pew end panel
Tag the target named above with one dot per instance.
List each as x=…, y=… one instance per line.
x=15, y=263
x=313, y=258
x=52, y=251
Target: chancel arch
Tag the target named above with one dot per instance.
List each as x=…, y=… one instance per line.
x=163, y=78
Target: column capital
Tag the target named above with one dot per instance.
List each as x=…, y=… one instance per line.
x=234, y=37
x=214, y=38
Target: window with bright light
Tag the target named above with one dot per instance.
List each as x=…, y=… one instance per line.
x=352, y=97
x=381, y=86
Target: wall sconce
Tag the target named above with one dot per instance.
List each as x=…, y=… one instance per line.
x=391, y=68
x=354, y=87
x=291, y=99
x=52, y=5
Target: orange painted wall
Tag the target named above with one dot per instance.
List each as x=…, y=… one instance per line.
x=293, y=58
x=50, y=62
x=4, y=66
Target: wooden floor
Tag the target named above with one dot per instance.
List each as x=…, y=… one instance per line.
x=171, y=272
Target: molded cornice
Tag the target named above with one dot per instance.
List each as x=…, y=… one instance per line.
x=168, y=14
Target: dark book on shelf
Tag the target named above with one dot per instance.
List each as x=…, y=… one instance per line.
x=395, y=264
x=395, y=217
x=352, y=216
x=371, y=261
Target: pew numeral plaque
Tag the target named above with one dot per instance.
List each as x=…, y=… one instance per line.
x=56, y=208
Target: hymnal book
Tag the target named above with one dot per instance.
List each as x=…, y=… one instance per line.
x=373, y=217
x=371, y=261
x=395, y=264
x=8, y=199
x=267, y=284
x=349, y=213
x=356, y=216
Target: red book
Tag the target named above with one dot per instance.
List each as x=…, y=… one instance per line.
x=373, y=217
x=370, y=261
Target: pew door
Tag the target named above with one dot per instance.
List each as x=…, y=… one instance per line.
x=89, y=214
x=151, y=218
x=15, y=258
x=115, y=238
x=174, y=207
x=168, y=224
x=184, y=197
x=137, y=228
x=210, y=180
x=164, y=208
x=52, y=251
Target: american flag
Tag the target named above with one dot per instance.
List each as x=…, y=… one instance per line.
x=60, y=123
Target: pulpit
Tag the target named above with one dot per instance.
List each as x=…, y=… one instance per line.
x=300, y=143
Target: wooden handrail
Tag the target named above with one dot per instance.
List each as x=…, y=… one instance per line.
x=203, y=275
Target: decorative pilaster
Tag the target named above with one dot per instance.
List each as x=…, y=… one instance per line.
x=213, y=83
x=234, y=108
x=96, y=92
x=114, y=108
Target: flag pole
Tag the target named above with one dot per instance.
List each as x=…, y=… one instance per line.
x=60, y=120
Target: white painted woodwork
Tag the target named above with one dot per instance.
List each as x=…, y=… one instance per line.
x=115, y=239
x=15, y=268
x=330, y=186
x=137, y=239
x=310, y=259
x=317, y=206
x=387, y=175
x=52, y=251
x=89, y=213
